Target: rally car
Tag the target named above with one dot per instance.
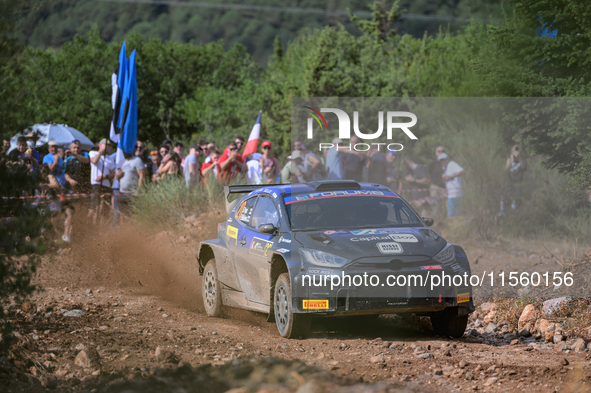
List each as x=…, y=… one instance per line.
x=302, y=250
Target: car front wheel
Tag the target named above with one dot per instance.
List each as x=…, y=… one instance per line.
x=212, y=297
x=290, y=325
x=448, y=323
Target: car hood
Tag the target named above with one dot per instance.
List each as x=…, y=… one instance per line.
x=410, y=244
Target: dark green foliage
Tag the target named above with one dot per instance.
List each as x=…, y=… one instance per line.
x=20, y=247
x=57, y=21
x=523, y=65
x=72, y=85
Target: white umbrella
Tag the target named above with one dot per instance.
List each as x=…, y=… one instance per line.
x=61, y=133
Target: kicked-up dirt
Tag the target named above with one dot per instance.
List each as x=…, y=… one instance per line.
x=121, y=311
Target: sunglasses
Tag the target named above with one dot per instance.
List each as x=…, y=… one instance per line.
x=139, y=146
x=75, y=141
x=233, y=149
x=267, y=147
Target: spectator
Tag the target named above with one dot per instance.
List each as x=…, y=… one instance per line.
x=417, y=179
x=394, y=176
x=231, y=165
x=50, y=186
x=254, y=172
x=61, y=152
x=313, y=168
x=293, y=171
x=77, y=168
x=437, y=188
x=191, y=166
x=239, y=140
x=204, y=149
x=156, y=159
x=140, y=151
x=31, y=147
x=334, y=161
x=170, y=165
x=211, y=168
x=4, y=151
x=101, y=173
x=269, y=164
x=515, y=168
x=354, y=162
x=131, y=176
x=179, y=149
x=21, y=148
x=77, y=177
x=452, y=175
x=55, y=163
x=115, y=189
x=377, y=166
x=298, y=145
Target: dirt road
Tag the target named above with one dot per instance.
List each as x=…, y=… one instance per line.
x=140, y=295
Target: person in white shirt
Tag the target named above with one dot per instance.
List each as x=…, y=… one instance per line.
x=191, y=166
x=254, y=174
x=102, y=171
x=452, y=175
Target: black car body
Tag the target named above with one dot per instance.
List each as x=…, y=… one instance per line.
x=294, y=251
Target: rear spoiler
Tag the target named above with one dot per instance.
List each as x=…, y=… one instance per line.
x=242, y=189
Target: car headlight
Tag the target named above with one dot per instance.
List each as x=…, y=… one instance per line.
x=320, y=258
x=446, y=255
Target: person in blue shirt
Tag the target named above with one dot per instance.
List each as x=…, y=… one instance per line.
x=56, y=163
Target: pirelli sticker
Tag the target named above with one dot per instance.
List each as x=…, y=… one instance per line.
x=232, y=232
x=315, y=305
x=463, y=297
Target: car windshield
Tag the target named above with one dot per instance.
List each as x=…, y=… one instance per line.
x=333, y=212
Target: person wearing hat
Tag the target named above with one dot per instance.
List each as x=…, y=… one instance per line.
x=191, y=166
x=269, y=164
x=102, y=172
x=55, y=163
x=293, y=171
x=334, y=161
x=452, y=175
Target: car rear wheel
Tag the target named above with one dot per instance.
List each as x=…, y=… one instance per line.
x=448, y=323
x=212, y=297
x=290, y=325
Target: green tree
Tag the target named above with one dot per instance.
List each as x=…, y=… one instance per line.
x=522, y=63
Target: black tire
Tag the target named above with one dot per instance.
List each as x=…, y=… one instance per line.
x=448, y=323
x=211, y=291
x=290, y=325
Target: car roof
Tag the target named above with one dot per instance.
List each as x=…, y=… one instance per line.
x=319, y=186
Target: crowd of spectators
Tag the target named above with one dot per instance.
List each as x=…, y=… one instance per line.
x=73, y=171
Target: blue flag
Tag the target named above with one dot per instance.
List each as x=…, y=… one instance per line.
x=118, y=84
x=129, y=109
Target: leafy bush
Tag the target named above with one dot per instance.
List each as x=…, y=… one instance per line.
x=168, y=203
x=20, y=244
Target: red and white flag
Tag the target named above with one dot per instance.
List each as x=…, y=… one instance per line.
x=253, y=140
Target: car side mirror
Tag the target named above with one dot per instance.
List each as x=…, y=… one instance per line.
x=268, y=229
x=428, y=221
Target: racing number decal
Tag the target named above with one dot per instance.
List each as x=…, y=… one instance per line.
x=315, y=305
